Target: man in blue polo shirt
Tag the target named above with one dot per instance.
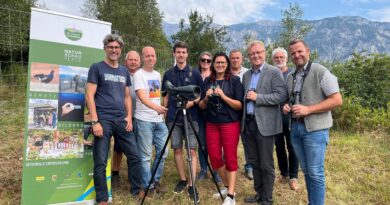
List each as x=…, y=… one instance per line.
x=181, y=75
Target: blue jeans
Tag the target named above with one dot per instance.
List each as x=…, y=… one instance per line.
x=149, y=134
x=101, y=149
x=202, y=138
x=310, y=148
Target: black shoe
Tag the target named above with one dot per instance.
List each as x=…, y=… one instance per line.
x=253, y=199
x=180, y=186
x=192, y=196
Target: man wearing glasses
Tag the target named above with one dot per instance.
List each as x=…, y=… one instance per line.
x=109, y=104
x=262, y=119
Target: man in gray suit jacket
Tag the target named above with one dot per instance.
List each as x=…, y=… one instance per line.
x=262, y=119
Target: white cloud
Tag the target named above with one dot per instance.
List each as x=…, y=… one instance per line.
x=382, y=15
x=223, y=12
x=72, y=7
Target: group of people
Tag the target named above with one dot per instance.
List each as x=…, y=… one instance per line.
x=267, y=105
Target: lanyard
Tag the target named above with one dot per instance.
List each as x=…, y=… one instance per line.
x=306, y=71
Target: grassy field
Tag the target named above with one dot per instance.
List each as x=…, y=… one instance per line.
x=357, y=171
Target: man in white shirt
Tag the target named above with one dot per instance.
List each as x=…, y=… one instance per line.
x=149, y=113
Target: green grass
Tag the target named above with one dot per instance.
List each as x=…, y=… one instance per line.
x=357, y=170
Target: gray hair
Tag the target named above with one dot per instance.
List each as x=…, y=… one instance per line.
x=279, y=49
x=234, y=50
x=252, y=43
x=113, y=37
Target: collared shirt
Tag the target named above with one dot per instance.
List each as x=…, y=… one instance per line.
x=181, y=77
x=254, y=81
x=241, y=72
x=299, y=78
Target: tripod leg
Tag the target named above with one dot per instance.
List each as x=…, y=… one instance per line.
x=159, y=159
x=204, y=155
x=189, y=157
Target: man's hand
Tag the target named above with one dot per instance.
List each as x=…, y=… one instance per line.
x=286, y=109
x=129, y=125
x=251, y=95
x=300, y=110
x=161, y=109
x=97, y=130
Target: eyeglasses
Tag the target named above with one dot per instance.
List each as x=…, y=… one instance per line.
x=220, y=63
x=203, y=60
x=113, y=47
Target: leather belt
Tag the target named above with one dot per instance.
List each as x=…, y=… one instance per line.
x=249, y=117
x=298, y=120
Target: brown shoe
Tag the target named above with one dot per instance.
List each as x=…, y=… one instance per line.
x=159, y=188
x=294, y=184
x=283, y=179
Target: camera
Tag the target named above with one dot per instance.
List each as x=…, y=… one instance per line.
x=187, y=92
x=294, y=100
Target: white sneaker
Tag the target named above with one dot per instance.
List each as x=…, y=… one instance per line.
x=224, y=193
x=229, y=201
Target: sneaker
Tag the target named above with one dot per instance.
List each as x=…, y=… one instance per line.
x=294, y=184
x=180, y=186
x=192, y=196
x=249, y=174
x=202, y=174
x=229, y=201
x=224, y=192
x=159, y=188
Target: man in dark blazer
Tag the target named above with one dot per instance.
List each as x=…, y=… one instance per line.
x=262, y=119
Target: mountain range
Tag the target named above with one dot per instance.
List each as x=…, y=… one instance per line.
x=334, y=38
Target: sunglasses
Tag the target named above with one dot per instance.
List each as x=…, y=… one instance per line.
x=203, y=60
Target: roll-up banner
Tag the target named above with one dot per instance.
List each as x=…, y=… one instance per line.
x=57, y=161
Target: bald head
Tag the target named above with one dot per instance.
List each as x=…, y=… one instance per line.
x=133, y=61
x=149, y=57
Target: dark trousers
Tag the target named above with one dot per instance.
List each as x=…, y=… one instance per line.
x=288, y=166
x=260, y=154
x=101, y=149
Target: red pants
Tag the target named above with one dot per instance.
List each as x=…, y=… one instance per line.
x=223, y=137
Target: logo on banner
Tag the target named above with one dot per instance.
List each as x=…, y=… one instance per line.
x=73, y=34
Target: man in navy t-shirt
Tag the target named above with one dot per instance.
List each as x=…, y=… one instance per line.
x=109, y=104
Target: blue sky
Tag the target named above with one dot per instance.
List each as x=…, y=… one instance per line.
x=238, y=11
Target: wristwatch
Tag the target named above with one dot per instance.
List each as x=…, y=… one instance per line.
x=94, y=122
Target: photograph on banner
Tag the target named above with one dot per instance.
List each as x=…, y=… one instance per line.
x=42, y=114
x=88, y=136
x=44, y=77
x=73, y=79
x=71, y=107
x=57, y=144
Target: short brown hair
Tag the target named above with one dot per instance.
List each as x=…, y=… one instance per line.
x=180, y=44
x=295, y=41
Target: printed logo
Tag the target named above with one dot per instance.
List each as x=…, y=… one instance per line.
x=73, y=34
x=39, y=178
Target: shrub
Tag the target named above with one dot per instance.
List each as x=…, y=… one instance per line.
x=352, y=116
